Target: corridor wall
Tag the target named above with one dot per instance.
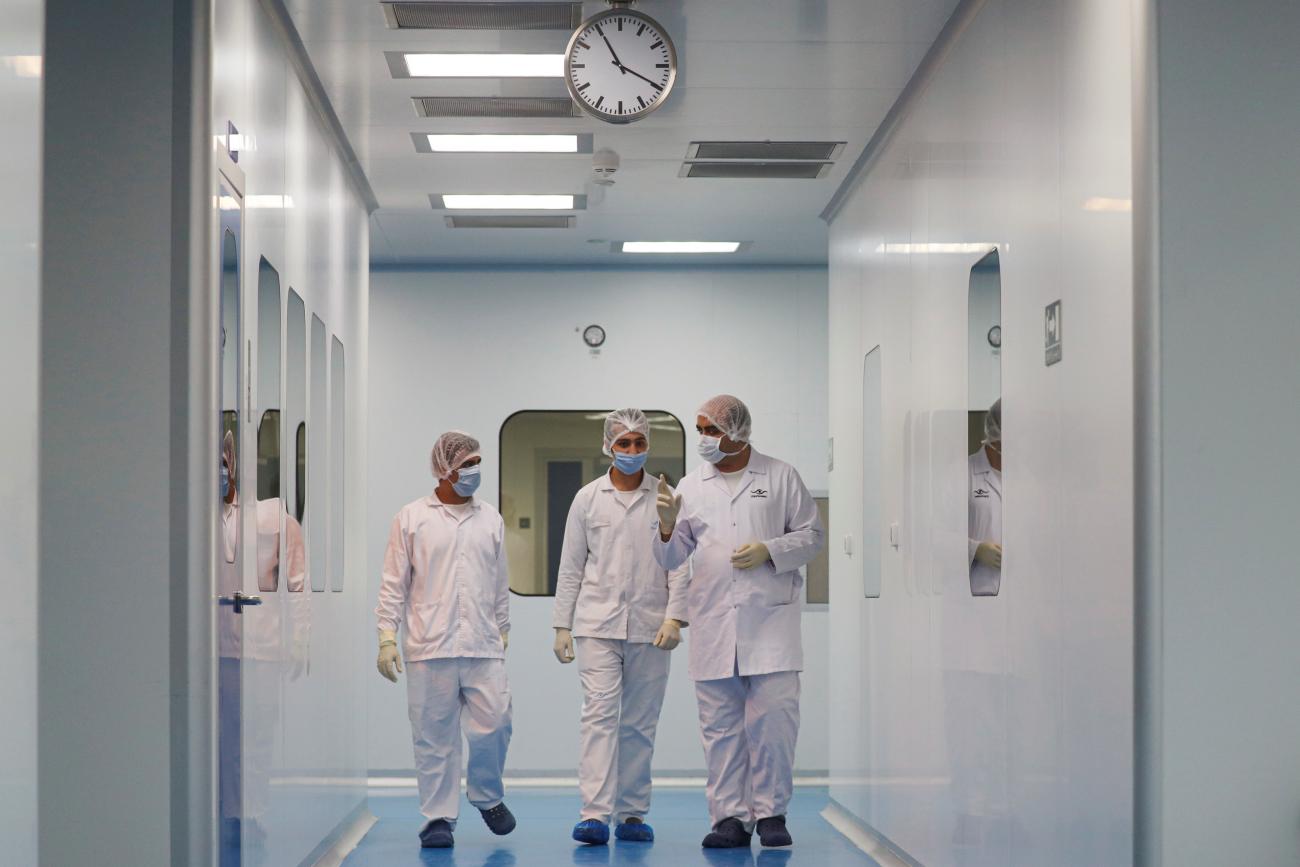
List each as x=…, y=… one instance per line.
x=992, y=730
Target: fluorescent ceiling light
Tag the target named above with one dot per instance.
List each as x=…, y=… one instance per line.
x=1101, y=203
x=485, y=65
x=680, y=246
x=937, y=248
x=275, y=202
x=504, y=144
x=508, y=202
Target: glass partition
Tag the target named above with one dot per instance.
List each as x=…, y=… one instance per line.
x=984, y=430
x=316, y=520
x=294, y=487
x=269, y=509
x=546, y=458
x=338, y=463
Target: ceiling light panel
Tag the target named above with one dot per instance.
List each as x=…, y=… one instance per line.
x=689, y=247
x=502, y=143
x=495, y=106
x=495, y=65
x=483, y=16
x=508, y=201
x=819, y=151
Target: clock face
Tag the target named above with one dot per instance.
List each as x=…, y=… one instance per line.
x=620, y=66
x=594, y=336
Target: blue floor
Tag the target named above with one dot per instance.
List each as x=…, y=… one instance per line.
x=546, y=817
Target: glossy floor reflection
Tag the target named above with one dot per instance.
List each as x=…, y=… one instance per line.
x=546, y=816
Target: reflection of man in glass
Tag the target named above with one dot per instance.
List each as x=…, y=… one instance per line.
x=985, y=519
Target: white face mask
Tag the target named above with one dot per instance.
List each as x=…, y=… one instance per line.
x=710, y=448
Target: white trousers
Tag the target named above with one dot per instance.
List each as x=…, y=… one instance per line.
x=623, y=688
x=446, y=697
x=749, y=726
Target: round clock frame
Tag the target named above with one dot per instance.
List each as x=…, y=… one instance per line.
x=591, y=23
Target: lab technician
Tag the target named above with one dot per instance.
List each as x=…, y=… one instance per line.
x=625, y=613
x=445, y=580
x=747, y=523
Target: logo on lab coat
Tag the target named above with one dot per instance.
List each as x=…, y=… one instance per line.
x=757, y=493
x=981, y=493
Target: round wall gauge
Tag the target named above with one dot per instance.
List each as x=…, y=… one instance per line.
x=593, y=336
x=620, y=65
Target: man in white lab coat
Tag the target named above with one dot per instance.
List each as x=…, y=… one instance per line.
x=445, y=580
x=626, y=612
x=748, y=524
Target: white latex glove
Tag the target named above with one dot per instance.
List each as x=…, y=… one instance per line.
x=564, y=645
x=750, y=555
x=669, y=635
x=389, y=659
x=990, y=554
x=669, y=506
x=505, y=639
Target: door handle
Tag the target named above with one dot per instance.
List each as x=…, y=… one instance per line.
x=239, y=601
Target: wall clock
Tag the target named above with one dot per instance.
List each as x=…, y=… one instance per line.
x=593, y=336
x=620, y=65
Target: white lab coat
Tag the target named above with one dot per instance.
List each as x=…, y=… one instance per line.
x=260, y=632
x=610, y=585
x=445, y=579
x=985, y=522
x=744, y=621
x=615, y=596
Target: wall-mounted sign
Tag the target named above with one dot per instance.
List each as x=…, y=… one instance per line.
x=1052, y=332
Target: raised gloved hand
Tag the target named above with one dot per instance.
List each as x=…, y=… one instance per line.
x=564, y=645
x=750, y=555
x=390, y=662
x=669, y=635
x=505, y=639
x=990, y=554
x=669, y=506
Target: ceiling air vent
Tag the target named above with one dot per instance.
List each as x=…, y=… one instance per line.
x=819, y=151
x=495, y=106
x=483, y=16
x=541, y=221
x=761, y=171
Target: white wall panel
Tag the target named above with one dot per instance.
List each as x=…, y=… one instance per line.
x=318, y=243
x=21, y=51
x=468, y=348
x=993, y=730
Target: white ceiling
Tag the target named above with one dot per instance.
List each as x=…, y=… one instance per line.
x=825, y=70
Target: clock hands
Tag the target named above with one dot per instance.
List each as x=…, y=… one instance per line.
x=612, y=53
x=640, y=76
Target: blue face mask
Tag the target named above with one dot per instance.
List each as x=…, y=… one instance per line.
x=469, y=481
x=629, y=464
x=225, y=482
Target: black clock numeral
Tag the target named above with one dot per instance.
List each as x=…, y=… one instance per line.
x=642, y=101
x=656, y=45
x=582, y=87
x=599, y=101
x=579, y=65
x=640, y=30
x=620, y=25
x=661, y=66
x=583, y=45
x=620, y=106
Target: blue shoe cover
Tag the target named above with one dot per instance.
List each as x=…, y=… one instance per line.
x=636, y=832
x=593, y=832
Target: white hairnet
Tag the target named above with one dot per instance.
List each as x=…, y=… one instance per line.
x=622, y=421
x=450, y=451
x=993, y=423
x=228, y=453
x=730, y=415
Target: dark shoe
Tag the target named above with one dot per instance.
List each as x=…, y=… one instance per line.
x=499, y=819
x=728, y=834
x=437, y=835
x=634, y=830
x=591, y=832
x=772, y=832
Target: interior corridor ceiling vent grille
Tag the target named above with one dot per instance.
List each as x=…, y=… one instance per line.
x=541, y=221
x=483, y=16
x=820, y=151
x=495, y=106
x=755, y=171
